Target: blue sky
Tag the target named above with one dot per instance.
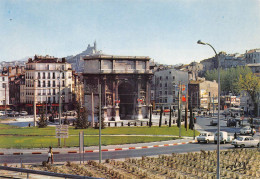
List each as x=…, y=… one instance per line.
x=165, y=30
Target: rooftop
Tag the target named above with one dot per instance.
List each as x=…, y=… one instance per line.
x=115, y=57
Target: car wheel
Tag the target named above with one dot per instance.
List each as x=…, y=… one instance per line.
x=198, y=141
x=242, y=146
x=258, y=145
x=215, y=142
x=224, y=141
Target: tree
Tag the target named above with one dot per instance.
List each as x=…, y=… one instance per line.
x=251, y=84
x=82, y=118
x=42, y=123
x=228, y=78
x=103, y=125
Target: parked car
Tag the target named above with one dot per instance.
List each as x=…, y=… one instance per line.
x=205, y=137
x=224, y=137
x=226, y=112
x=69, y=113
x=247, y=130
x=213, y=122
x=13, y=113
x=231, y=122
x=245, y=141
x=23, y=113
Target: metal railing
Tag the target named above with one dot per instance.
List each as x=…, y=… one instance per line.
x=37, y=172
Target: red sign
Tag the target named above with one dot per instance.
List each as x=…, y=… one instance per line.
x=183, y=98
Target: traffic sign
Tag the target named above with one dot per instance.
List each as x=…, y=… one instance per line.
x=62, y=131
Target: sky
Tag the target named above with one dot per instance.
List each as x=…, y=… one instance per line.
x=165, y=30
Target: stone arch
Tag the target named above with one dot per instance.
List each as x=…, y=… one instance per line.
x=126, y=95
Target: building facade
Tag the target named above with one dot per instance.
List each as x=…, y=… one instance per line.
x=47, y=80
x=252, y=56
x=125, y=83
x=4, y=91
x=165, y=87
x=203, y=94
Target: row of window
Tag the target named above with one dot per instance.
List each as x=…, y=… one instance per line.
x=165, y=100
x=44, y=92
x=3, y=78
x=251, y=55
x=45, y=75
x=173, y=78
x=165, y=85
x=165, y=93
x=48, y=75
x=45, y=84
x=54, y=100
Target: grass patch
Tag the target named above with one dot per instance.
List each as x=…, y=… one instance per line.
x=33, y=137
x=155, y=130
x=45, y=142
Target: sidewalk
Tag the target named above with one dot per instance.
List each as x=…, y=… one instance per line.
x=91, y=149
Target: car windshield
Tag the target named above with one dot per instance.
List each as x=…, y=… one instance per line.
x=203, y=134
x=240, y=138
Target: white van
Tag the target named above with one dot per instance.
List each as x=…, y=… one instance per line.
x=224, y=137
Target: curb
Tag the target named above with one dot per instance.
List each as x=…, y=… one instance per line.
x=106, y=150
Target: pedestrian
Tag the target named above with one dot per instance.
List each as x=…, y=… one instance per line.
x=29, y=125
x=235, y=135
x=252, y=132
x=50, y=155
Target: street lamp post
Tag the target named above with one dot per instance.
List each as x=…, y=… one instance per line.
x=218, y=131
x=34, y=103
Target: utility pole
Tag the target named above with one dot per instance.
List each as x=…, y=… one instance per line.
x=59, y=140
x=92, y=109
x=5, y=97
x=179, y=109
x=213, y=105
x=170, y=117
x=186, y=110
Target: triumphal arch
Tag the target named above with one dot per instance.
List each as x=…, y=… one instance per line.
x=125, y=86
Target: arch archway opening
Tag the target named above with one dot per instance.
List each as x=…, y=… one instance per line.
x=126, y=95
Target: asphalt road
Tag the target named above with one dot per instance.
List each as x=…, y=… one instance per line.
x=29, y=158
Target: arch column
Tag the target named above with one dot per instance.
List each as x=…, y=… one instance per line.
x=139, y=114
x=116, y=107
x=104, y=108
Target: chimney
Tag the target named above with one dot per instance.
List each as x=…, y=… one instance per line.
x=63, y=60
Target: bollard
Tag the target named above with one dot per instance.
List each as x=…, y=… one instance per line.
x=165, y=122
x=115, y=124
x=109, y=124
x=135, y=123
x=141, y=123
x=128, y=124
x=122, y=124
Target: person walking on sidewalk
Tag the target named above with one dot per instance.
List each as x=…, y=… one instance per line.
x=50, y=155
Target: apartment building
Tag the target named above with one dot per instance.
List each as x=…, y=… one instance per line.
x=4, y=91
x=47, y=79
x=165, y=84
